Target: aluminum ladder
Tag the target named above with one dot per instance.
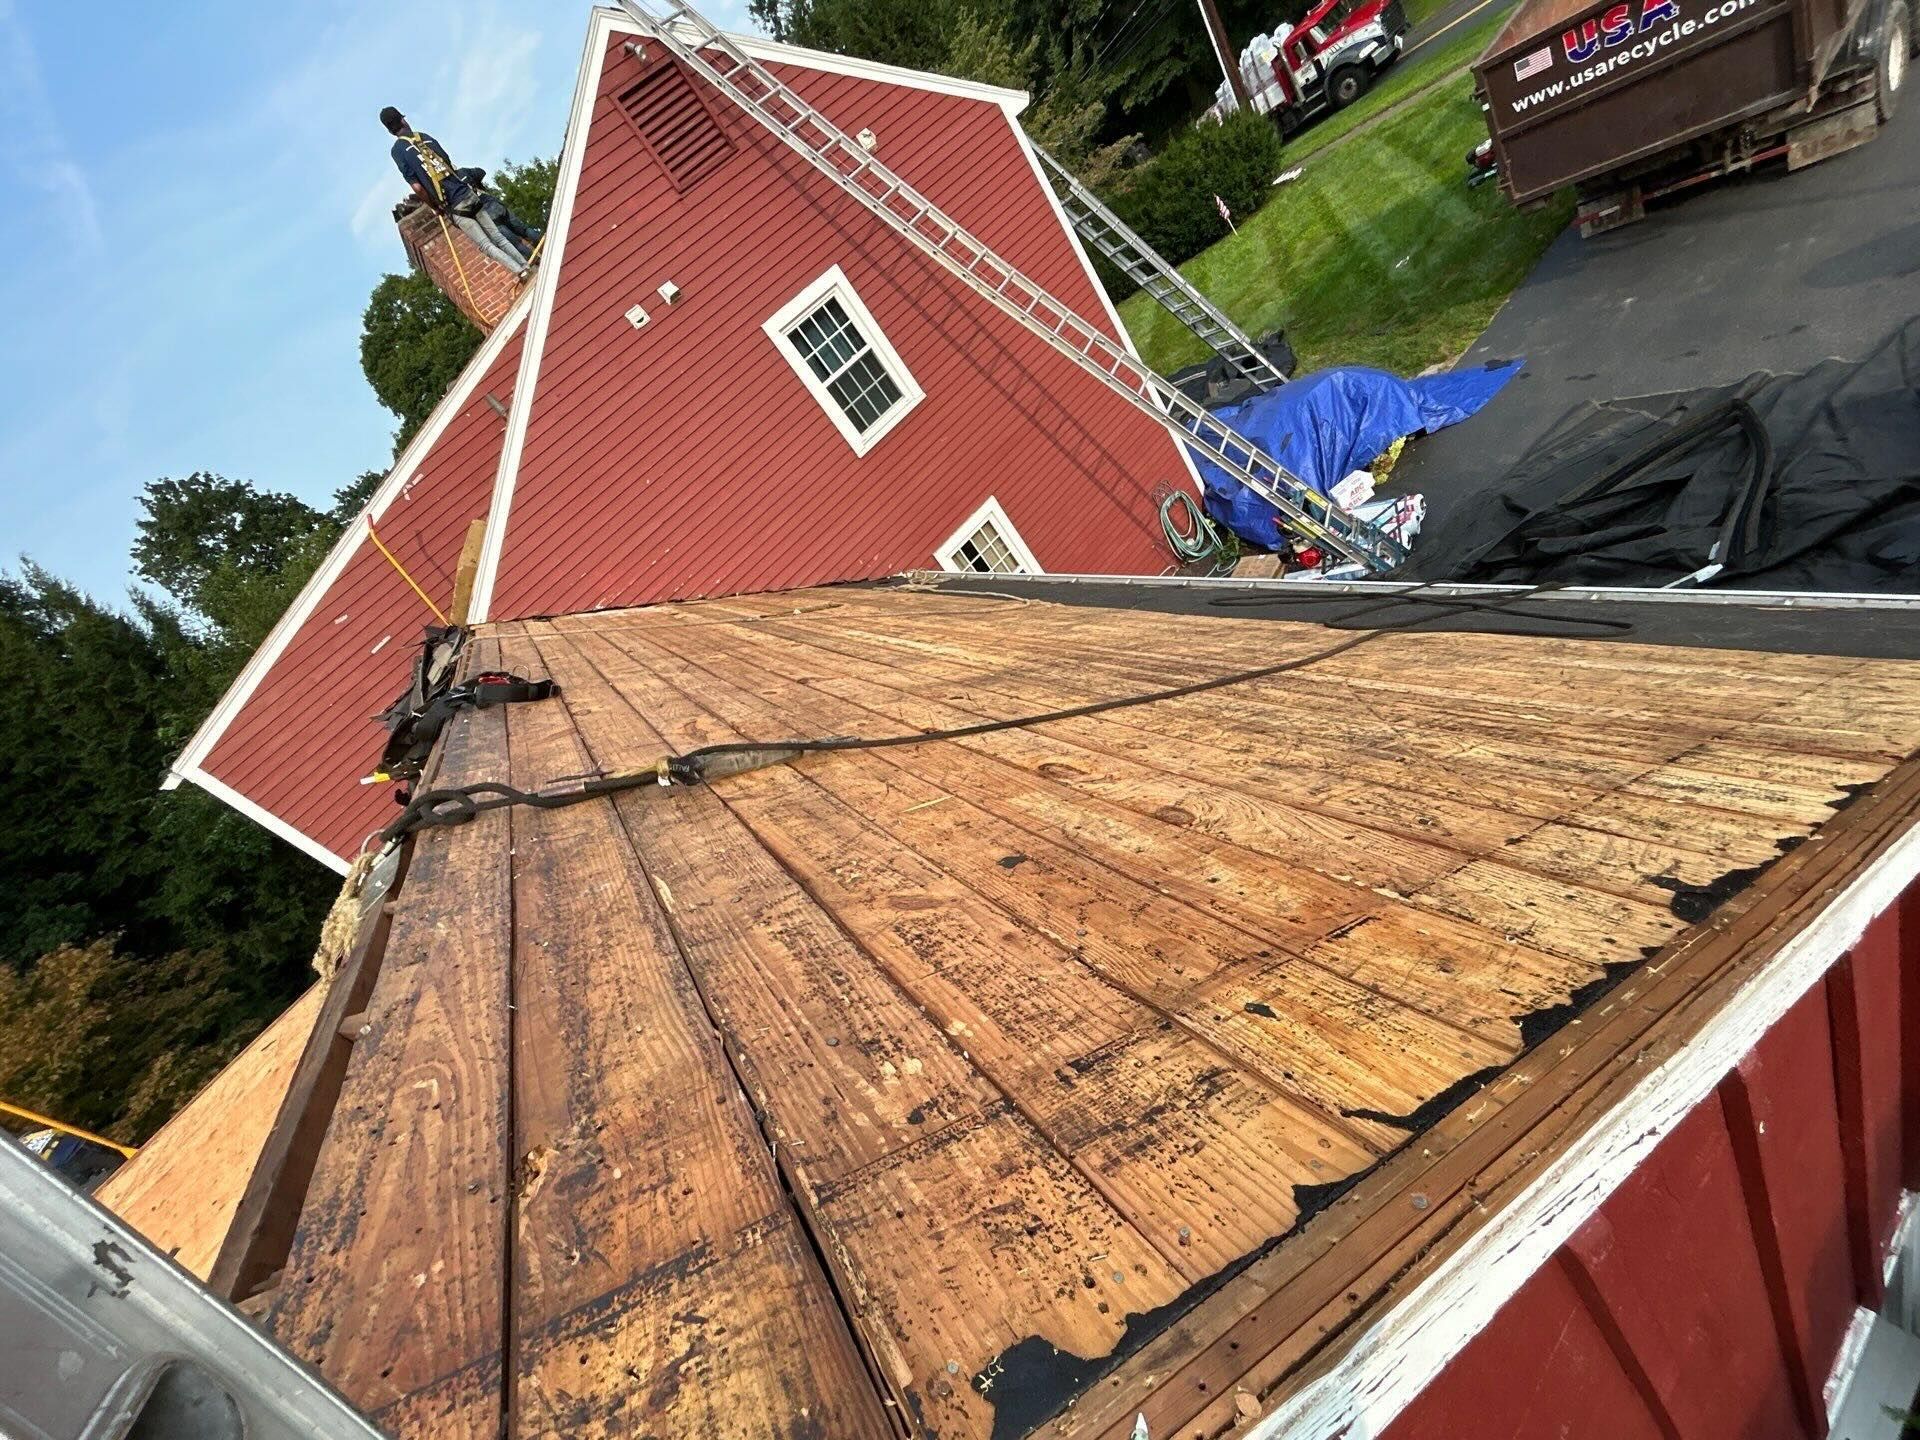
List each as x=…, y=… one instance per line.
x=105, y=1335
x=690, y=38
x=1143, y=265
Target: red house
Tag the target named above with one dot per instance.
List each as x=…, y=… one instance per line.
x=729, y=377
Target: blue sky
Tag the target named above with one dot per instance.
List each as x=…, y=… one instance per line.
x=200, y=206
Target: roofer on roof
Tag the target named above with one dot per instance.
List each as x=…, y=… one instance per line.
x=458, y=194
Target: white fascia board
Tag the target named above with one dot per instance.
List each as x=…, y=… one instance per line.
x=759, y=47
x=547, y=284
x=1417, y=1335
x=261, y=816
x=1120, y=331
x=256, y=669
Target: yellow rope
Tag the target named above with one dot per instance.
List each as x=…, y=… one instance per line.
x=34, y=1117
x=374, y=535
x=478, y=309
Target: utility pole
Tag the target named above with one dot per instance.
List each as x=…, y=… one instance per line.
x=1223, y=48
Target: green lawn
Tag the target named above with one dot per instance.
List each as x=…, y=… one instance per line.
x=1378, y=255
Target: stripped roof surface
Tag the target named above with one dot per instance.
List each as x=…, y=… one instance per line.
x=912, y=1088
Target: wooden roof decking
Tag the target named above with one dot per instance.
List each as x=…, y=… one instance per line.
x=897, y=1090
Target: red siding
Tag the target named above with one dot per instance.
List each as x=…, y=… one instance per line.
x=687, y=458
x=1782, y=1110
x=1481, y=1396
x=1710, y=1294
x=306, y=735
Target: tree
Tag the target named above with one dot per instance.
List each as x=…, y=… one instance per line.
x=414, y=342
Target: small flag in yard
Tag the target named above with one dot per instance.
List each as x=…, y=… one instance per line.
x=1225, y=214
x=1526, y=65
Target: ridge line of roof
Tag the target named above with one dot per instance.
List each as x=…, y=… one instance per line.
x=760, y=47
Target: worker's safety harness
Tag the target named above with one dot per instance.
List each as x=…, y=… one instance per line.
x=415, y=720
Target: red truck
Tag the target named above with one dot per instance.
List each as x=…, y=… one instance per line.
x=1298, y=74
x=1626, y=100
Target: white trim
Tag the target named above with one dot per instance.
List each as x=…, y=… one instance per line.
x=261, y=816
x=241, y=690
x=560, y=221
x=1120, y=331
x=1395, y=1357
x=990, y=510
x=834, y=285
x=1853, y=1347
x=759, y=47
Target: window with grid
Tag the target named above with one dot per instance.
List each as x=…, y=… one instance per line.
x=985, y=552
x=834, y=345
x=843, y=361
x=987, y=544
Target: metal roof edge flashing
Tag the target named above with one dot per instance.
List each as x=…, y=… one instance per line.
x=1756, y=599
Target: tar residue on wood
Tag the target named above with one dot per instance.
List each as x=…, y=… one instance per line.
x=1030, y=1382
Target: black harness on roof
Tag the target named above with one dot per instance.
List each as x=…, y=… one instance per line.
x=414, y=721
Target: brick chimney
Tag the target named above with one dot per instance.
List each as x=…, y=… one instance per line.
x=479, y=285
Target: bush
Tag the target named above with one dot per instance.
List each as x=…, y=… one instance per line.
x=1169, y=200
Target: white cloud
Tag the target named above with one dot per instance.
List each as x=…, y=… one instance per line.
x=34, y=154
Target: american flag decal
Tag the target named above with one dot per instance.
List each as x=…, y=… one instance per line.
x=1541, y=59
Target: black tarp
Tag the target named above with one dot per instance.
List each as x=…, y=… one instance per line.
x=1832, y=494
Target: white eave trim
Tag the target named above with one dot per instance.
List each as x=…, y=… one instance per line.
x=760, y=48
x=1418, y=1334
x=573, y=154
x=187, y=764
x=261, y=816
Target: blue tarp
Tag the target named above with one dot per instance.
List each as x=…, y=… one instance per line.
x=1326, y=425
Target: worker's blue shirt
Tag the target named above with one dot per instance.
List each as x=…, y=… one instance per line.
x=421, y=159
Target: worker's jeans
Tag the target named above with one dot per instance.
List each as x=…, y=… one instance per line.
x=484, y=229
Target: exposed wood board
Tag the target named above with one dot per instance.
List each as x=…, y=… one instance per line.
x=1048, y=882
x=660, y=1278
x=1552, y=1097
x=395, y=1287
x=1158, y=1017
x=182, y=1189
x=1439, y=796
x=875, y=1218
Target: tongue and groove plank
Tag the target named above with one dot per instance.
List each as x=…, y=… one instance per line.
x=1556, y=916
x=1313, y=1041
x=1445, y=796
x=1027, y=1248
x=395, y=1285
x=661, y=1280
x=1491, y=980
x=1644, y=792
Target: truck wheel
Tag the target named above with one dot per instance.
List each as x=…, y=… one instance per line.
x=1895, y=39
x=1347, y=86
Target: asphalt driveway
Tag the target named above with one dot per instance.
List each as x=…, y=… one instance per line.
x=1766, y=272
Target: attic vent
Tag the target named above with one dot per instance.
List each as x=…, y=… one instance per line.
x=676, y=125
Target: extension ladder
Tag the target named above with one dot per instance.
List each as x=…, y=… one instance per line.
x=1143, y=265
x=105, y=1336
x=714, y=57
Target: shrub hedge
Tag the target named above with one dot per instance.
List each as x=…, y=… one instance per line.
x=1169, y=200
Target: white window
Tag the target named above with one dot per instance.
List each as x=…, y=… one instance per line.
x=987, y=544
x=838, y=352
